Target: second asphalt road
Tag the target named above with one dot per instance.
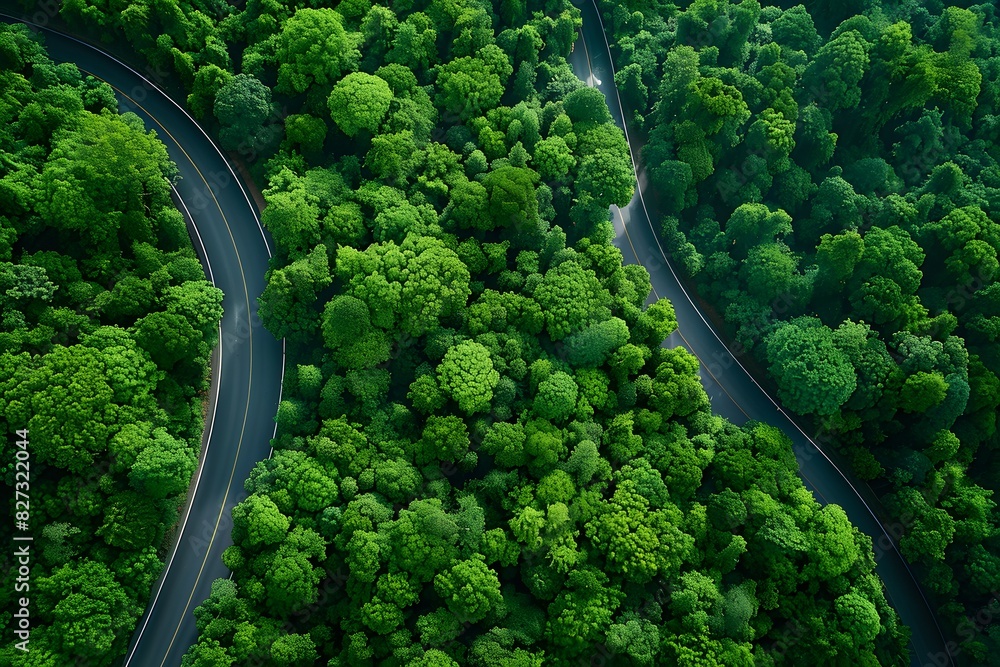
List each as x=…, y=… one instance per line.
x=733, y=391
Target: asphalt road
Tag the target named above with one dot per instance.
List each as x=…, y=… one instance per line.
x=733, y=391
x=248, y=362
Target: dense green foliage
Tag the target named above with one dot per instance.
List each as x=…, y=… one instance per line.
x=484, y=455
x=107, y=324
x=828, y=174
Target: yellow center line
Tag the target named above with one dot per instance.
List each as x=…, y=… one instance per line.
x=246, y=412
x=690, y=349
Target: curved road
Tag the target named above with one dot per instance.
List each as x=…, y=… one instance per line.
x=247, y=365
x=733, y=391
x=248, y=362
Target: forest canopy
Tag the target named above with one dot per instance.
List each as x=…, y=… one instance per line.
x=106, y=327
x=826, y=175
x=484, y=454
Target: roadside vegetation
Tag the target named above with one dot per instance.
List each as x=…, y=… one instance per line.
x=829, y=179
x=484, y=455
x=106, y=326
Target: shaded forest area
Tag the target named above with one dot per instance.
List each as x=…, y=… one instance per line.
x=484, y=456
x=106, y=326
x=828, y=177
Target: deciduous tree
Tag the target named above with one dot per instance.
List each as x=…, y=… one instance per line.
x=467, y=374
x=313, y=47
x=243, y=106
x=359, y=101
x=814, y=376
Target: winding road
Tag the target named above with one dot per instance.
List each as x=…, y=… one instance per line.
x=733, y=391
x=248, y=362
x=247, y=365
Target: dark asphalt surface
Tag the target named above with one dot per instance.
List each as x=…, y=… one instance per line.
x=247, y=364
x=733, y=391
x=247, y=390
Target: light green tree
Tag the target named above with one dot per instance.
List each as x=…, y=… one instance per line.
x=469, y=588
x=164, y=467
x=314, y=48
x=466, y=373
x=358, y=102
x=814, y=376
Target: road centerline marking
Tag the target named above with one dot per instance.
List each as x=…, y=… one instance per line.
x=239, y=444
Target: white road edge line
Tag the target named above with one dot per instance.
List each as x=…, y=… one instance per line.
x=252, y=207
x=656, y=237
x=189, y=503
